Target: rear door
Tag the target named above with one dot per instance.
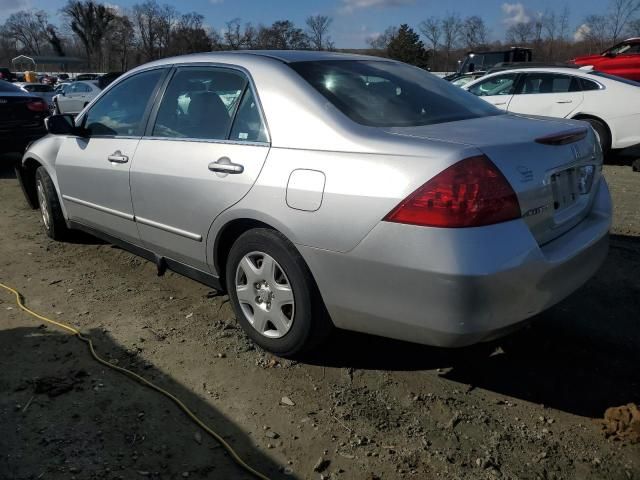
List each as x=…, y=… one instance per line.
x=205, y=146
x=93, y=170
x=498, y=90
x=547, y=94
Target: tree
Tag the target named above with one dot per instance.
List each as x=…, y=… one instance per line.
x=407, y=47
x=521, y=33
x=189, y=35
x=595, y=31
x=381, y=42
x=29, y=29
x=119, y=42
x=451, y=30
x=318, y=32
x=154, y=24
x=90, y=21
x=232, y=35
x=621, y=12
x=474, y=32
x=281, y=35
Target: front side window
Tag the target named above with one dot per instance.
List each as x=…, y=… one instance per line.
x=498, y=85
x=199, y=103
x=389, y=94
x=120, y=111
x=535, y=83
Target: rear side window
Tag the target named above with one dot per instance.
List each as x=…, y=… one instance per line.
x=200, y=103
x=535, y=83
x=498, y=85
x=248, y=125
x=588, y=85
x=390, y=94
x=121, y=110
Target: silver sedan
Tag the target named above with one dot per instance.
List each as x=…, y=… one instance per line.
x=327, y=190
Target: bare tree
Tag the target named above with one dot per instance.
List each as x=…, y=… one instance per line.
x=282, y=35
x=90, y=21
x=563, y=23
x=382, y=41
x=189, y=35
x=119, y=42
x=621, y=12
x=474, y=32
x=521, y=33
x=29, y=29
x=153, y=24
x=233, y=34
x=633, y=29
x=318, y=32
x=596, y=31
x=451, y=31
x=431, y=28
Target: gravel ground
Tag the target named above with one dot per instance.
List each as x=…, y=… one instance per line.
x=527, y=406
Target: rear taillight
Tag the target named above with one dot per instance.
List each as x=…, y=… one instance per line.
x=37, y=106
x=471, y=193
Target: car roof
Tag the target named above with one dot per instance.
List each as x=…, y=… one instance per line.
x=284, y=56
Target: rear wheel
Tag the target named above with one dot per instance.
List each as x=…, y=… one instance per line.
x=601, y=133
x=50, y=210
x=273, y=294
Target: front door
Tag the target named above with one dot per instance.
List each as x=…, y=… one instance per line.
x=93, y=170
x=497, y=90
x=204, y=151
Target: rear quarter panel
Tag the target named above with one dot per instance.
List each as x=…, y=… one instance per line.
x=359, y=190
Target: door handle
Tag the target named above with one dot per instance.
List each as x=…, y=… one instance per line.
x=224, y=165
x=500, y=103
x=118, y=157
x=564, y=101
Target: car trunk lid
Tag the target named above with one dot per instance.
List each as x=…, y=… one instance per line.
x=551, y=165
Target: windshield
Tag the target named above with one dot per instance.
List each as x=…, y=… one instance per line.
x=390, y=94
x=613, y=77
x=624, y=48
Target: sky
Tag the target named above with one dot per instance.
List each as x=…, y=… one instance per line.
x=354, y=21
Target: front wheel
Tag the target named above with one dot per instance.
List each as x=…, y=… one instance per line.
x=49, y=204
x=273, y=294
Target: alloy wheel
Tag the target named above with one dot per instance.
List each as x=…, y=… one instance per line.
x=265, y=294
x=42, y=201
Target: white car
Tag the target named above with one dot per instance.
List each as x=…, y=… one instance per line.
x=76, y=96
x=610, y=104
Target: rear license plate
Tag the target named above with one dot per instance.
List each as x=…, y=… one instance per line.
x=565, y=189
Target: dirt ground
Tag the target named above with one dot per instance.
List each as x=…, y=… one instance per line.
x=524, y=407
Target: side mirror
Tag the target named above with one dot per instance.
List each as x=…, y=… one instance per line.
x=610, y=54
x=61, y=125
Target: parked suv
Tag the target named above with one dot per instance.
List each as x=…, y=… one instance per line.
x=622, y=60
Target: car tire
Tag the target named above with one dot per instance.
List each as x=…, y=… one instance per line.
x=286, y=328
x=50, y=210
x=635, y=166
x=602, y=133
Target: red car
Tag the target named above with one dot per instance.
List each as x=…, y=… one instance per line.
x=622, y=60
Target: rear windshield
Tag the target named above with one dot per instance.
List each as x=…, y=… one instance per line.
x=7, y=87
x=38, y=88
x=613, y=77
x=390, y=94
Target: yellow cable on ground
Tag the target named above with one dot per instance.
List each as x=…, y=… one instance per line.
x=140, y=379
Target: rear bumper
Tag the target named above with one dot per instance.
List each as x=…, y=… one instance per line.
x=455, y=287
